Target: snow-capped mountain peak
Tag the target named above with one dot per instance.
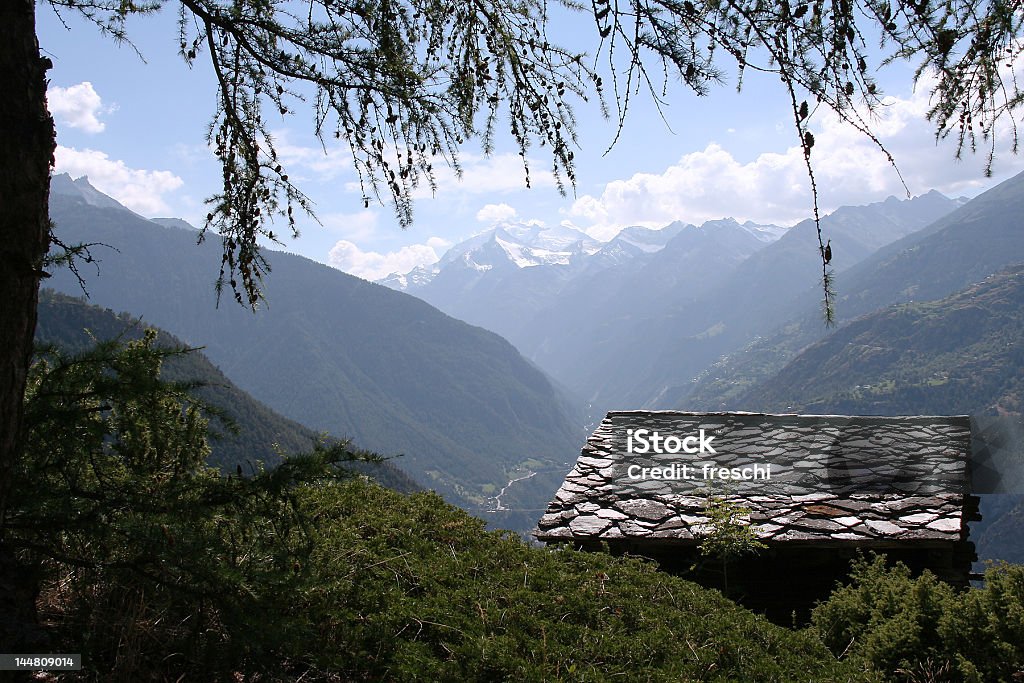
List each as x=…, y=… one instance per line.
x=648, y=240
x=764, y=231
x=510, y=246
x=417, y=277
x=525, y=256
x=522, y=245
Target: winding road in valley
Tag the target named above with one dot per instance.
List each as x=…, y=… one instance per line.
x=497, y=499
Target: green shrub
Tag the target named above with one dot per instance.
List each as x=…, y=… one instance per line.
x=920, y=629
x=424, y=593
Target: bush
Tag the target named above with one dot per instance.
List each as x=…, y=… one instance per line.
x=417, y=590
x=920, y=629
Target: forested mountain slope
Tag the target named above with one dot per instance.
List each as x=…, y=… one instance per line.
x=958, y=250
x=260, y=434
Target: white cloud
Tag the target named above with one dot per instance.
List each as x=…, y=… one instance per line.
x=141, y=191
x=372, y=265
x=361, y=225
x=438, y=243
x=497, y=174
x=492, y=214
x=774, y=187
x=77, y=106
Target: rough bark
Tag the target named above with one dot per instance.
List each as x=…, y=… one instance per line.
x=27, y=143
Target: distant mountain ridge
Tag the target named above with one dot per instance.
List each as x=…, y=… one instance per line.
x=526, y=245
x=343, y=355
x=963, y=354
x=64, y=184
x=631, y=322
x=538, y=287
x=768, y=287
x=956, y=250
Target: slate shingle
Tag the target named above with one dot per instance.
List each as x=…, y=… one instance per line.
x=835, y=479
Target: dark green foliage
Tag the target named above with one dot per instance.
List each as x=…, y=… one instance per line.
x=728, y=535
x=421, y=592
x=107, y=444
x=153, y=563
x=155, y=566
x=920, y=629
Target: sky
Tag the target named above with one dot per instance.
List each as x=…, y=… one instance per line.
x=135, y=125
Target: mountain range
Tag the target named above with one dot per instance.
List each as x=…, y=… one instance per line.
x=959, y=249
x=631, y=322
x=463, y=409
x=963, y=354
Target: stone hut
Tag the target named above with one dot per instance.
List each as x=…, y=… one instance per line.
x=819, y=488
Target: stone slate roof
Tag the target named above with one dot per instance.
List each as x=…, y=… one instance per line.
x=840, y=480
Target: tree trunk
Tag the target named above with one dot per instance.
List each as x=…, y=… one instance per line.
x=27, y=143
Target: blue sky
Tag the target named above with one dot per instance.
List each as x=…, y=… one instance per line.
x=136, y=128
